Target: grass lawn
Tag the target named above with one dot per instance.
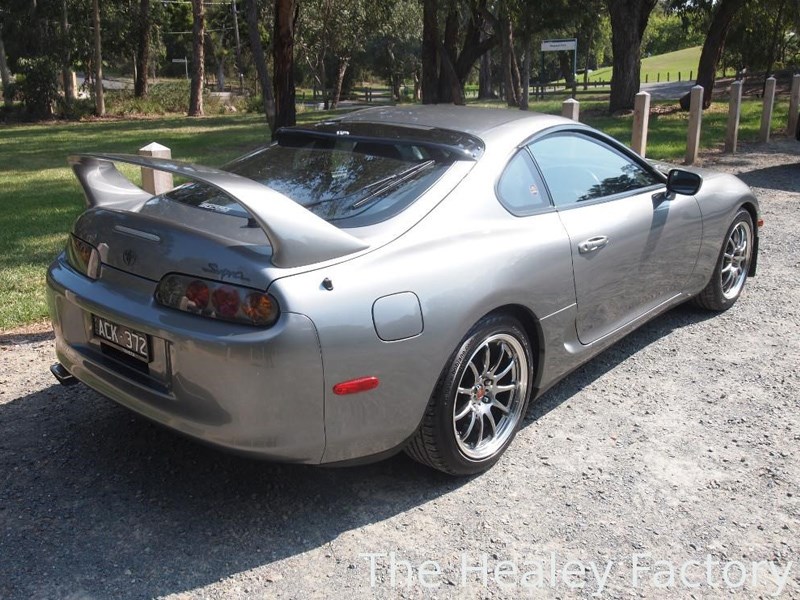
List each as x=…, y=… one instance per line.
x=40, y=197
x=682, y=61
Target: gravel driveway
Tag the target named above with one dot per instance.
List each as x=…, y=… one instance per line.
x=666, y=467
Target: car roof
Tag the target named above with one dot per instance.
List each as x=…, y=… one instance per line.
x=467, y=119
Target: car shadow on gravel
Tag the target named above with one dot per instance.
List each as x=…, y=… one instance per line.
x=681, y=316
x=785, y=178
x=98, y=502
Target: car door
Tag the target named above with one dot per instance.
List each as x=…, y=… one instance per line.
x=632, y=248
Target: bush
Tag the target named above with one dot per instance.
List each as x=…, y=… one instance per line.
x=37, y=85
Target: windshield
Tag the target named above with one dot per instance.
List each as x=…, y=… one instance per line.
x=349, y=183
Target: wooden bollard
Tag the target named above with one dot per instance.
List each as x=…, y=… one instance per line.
x=695, y=120
x=734, y=111
x=641, y=118
x=794, y=106
x=571, y=109
x=156, y=182
x=766, y=113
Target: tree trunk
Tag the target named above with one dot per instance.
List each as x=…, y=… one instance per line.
x=430, y=52
x=99, y=99
x=220, y=72
x=283, y=60
x=198, y=58
x=450, y=89
x=485, y=77
x=140, y=86
x=261, y=64
x=66, y=64
x=628, y=21
x=776, y=35
x=5, y=74
x=507, y=49
x=526, y=71
x=712, y=49
x=337, y=87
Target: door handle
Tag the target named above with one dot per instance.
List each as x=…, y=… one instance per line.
x=592, y=244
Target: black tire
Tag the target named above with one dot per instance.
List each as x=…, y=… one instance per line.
x=730, y=272
x=462, y=445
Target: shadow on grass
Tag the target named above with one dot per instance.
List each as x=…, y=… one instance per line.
x=97, y=502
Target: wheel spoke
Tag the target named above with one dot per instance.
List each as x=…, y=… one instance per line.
x=487, y=357
x=480, y=430
x=500, y=356
x=474, y=370
x=465, y=391
x=496, y=403
x=510, y=366
x=505, y=388
x=492, y=423
x=465, y=435
x=463, y=413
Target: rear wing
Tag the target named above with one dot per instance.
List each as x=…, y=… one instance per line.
x=298, y=237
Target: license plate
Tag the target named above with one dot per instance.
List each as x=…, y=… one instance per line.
x=130, y=341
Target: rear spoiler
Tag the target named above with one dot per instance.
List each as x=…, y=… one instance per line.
x=298, y=237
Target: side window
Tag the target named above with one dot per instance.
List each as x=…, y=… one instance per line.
x=577, y=168
x=520, y=188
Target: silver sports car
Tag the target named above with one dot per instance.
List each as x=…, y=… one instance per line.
x=393, y=279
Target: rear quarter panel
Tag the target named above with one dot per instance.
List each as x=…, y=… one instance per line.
x=468, y=257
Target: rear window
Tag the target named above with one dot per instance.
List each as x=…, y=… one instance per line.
x=349, y=183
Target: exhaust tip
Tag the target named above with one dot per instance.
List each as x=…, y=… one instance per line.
x=64, y=377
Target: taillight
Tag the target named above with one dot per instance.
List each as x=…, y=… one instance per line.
x=217, y=300
x=83, y=257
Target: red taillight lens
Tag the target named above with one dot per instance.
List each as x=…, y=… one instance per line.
x=217, y=300
x=226, y=301
x=197, y=295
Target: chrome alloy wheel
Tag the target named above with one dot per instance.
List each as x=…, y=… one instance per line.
x=490, y=396
x=736, y=260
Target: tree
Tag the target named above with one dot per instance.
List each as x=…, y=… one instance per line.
x=198, y=58
x=628, y=22
x=260, y=60
x=393, y=41
x=724, y=12
x=99, y=98
x=66, y=69
x=449, y=56
x=283, y=63
x=5, y=73
x=140, y=86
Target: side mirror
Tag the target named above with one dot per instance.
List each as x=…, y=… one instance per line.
x=683, y=182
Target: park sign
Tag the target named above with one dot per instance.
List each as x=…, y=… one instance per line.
x=558, y=45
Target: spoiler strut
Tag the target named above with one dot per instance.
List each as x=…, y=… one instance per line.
x=298, y=237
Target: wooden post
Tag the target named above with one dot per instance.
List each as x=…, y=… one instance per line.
x=156, y=182
x=695, y=120
x=734, y=111
x=570, y=109
x=641, y=118
x=766, y=113
x=794, y=106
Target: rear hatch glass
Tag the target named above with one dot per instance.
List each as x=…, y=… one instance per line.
x=349, y=183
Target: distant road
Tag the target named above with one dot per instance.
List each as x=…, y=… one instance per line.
x=667, y=91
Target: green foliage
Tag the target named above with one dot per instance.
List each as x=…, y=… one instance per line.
x=765, y=36
x=667, y=32
x=38, y=86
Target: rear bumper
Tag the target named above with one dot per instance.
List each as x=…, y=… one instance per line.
x=253, y=391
